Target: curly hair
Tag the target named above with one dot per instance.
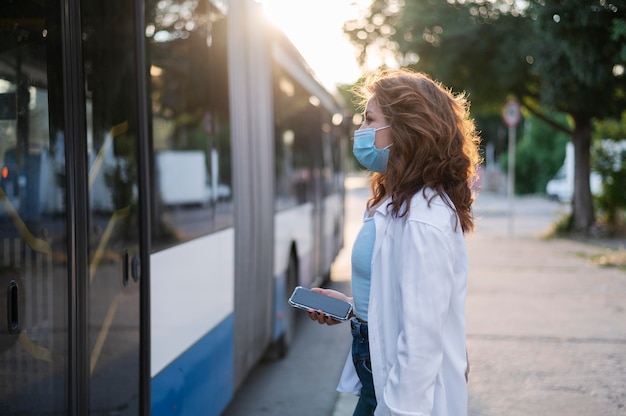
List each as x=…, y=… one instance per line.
x=435, y=142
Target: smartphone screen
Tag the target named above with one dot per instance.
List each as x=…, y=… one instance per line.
x=305, y=299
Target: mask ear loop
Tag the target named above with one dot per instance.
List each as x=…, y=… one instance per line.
x=381, y=128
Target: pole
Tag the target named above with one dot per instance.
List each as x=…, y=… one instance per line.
x=511, y=115
x=511, y=178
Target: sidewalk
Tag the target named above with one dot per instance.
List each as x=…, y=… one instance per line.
x=546, y=328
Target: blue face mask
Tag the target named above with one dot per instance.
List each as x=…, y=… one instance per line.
x=367, y=153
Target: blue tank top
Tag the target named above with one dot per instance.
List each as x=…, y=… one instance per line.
x=362, y=267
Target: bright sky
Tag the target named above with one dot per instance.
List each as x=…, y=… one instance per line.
x=315, y=28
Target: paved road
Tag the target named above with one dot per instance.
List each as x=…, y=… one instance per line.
x=546, y=327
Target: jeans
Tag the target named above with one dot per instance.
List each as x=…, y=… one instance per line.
x=363, y=366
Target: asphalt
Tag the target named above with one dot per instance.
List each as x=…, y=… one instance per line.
x=546, y=325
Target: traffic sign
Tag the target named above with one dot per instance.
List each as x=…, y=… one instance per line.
x=511, y=113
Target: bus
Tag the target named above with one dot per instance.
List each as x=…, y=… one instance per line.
x=170, y=171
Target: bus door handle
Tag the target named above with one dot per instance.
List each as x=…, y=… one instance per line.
x=13, y=322
x=135, y=268
x=131, y=268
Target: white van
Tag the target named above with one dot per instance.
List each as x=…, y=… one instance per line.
x=561, y=187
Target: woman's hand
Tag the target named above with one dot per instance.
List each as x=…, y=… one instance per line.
x=322, y=318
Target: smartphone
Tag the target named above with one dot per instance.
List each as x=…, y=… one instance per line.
x=306, y=299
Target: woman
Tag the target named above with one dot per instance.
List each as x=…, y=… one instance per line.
x=409, y=261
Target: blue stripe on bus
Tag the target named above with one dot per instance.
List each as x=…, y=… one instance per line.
x=201, y=380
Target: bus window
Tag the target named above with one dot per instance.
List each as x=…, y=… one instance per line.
x=298, y=145
x=190, y=122
x=33, y=227
x=110, y=144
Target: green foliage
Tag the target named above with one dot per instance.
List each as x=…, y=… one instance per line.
x=538, y=156
x=611, y=129
x=465, y=46
x=609, y=160
x=561, y=52
x=555, y=56
x=619, y=35
x=574, y=55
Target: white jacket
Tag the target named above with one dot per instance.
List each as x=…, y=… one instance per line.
x=416, y=313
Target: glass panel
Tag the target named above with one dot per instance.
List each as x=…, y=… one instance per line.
x=301, y=127
x=113, y=303
x=190, y=121
x=33, y=242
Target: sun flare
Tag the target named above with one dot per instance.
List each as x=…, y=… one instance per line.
x=316, y=28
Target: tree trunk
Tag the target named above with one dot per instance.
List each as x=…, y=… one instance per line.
x=582, y=210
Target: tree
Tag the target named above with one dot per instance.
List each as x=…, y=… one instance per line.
x=553, y=55
x=575, y=59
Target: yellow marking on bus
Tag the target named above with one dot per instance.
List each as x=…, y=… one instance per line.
x=33, y=242
x=104, y=332
x=97, y=164
x=37, y=352
x=106, y=236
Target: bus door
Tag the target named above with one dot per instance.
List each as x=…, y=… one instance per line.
x=72, y=254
